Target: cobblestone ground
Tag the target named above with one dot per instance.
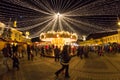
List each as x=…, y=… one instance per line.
x=95, y=67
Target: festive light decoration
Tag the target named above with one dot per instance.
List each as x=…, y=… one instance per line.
x=119, y=23
x=27, y=34
x=82, y=17
x=15, y=24
x=65, y=36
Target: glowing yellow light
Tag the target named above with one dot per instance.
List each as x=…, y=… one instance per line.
x=49, y=36
x=27, y=34
x=15, y=24
x=119, y=23
x=57, y=35
x=58, y=14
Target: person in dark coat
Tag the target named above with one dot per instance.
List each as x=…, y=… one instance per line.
x=42, y=51
x=6, y=55
x=15, y=61
x=64, y=60
x=28, y=51
x=56, y=52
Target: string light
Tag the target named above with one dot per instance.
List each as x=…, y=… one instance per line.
x=33, y=15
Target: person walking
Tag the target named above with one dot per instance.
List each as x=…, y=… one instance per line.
x=64, y=60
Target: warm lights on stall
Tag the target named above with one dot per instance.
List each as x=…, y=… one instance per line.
x=15, y=24
x=27, y=34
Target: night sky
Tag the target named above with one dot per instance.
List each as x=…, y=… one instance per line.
x=83, y=17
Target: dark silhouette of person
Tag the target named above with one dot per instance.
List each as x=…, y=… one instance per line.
x=56, y=52
x=6, y=55
x=10, y=49
x=80, y=52
x=65, y=58
x=42, y=51
x=15, y=61
x=15, y=48
x=28, y=51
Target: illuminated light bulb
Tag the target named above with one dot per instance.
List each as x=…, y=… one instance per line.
x=58, y=14
x=57, y=35
x=119, y=23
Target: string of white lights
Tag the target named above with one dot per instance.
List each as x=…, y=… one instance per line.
x=74, y=31
x=89, y=29
x=69, y=26
x=76, y=5
x=40, y=19
x=54, y=25
x=66, y=4
x=33, y=26
x=90, y=25
x=81, y=9
x=78, y=9
x=54, y=4
x=61, y=3
x=14, y=8
x=60, y=25
x=85, y=29
x=49, y=8
x=43, y=3
x=100, y=7
x=24, y=4
x=43, y=29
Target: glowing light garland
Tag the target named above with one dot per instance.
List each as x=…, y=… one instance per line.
x=77, y=9
x=64, y=35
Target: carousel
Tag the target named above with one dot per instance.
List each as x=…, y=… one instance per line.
x=59, y=39
x=58, y=36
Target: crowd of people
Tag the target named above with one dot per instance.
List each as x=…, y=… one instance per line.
x=10, y=53
x=15, y=52
x=83, y=51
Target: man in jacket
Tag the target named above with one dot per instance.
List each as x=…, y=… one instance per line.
x=65, y=58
